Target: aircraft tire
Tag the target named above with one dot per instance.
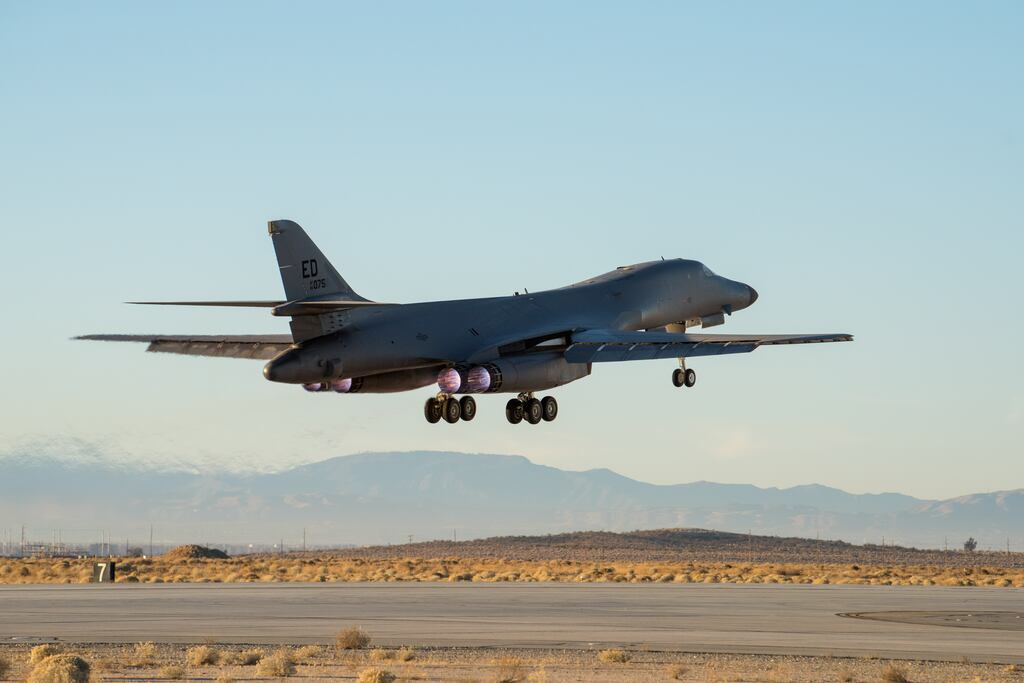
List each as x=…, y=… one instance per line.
x=514, y=411
x=678, y=377
x=533, y=411
x=549, y=408
x=432, y=410
x=467, y=405
x=452, y=410
x=690, y=377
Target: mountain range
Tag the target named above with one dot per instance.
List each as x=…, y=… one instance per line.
x=381, y=498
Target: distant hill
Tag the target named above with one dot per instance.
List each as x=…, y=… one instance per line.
x=380, y=498
x=684, y=545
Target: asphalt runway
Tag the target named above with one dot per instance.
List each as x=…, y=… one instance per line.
x=981, y=624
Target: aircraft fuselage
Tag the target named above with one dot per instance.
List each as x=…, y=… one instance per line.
x=388, y=338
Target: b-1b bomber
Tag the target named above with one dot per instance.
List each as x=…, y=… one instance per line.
x=529, y=342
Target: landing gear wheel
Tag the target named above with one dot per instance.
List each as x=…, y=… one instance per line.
x=549, y=408
x=467, y=405
x=533, y=412
x=452, y=410
x=678, y=377
x=432, y=410
x=689, y=377
x=514, y=411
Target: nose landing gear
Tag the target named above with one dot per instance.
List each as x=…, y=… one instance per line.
x=683, y=376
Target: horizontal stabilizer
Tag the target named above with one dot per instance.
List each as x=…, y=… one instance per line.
x=600, y=346
x=239, y=304
x=258, y=346
x=281, y=308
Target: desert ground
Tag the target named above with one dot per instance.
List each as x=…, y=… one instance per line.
x=369, y=664
x=664, y=556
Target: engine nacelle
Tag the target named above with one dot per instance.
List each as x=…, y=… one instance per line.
x=532, y=372
x=384, y=383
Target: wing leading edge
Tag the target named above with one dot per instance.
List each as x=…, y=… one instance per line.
x=257, y=346
x=606, y=346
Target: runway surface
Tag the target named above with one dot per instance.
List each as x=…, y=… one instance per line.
x=945, y=623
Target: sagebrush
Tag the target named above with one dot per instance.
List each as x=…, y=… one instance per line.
x=60, y=668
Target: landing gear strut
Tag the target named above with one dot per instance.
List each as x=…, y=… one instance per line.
x=533, y=410
x=450, y=408
x=683, y=376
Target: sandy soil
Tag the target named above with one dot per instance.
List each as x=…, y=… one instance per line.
x=332, y=568
x=119, y=663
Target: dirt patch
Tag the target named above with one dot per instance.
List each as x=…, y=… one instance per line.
x=194, y=552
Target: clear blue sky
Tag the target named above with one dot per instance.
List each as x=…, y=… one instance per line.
x=860, y=164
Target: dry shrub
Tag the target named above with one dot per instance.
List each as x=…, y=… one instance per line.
x=5, y=666
x=144, y=653
x=845, y=676
x=374, y=675
x=675, y=672
x=614, y=656
x=41, y=652
x=250, y=657
x=279, y=665
x=405, y=654
x=352, y=638
x=538, y=676
x=172, y=672
x=202, y=655
x=105, y=665
x=1013, y=668
x=307, y=652
x=509, y=670
x=60, y=669
x=894, y=674
x=379, y=654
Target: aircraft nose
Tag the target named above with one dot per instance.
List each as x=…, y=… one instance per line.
x=753, y=295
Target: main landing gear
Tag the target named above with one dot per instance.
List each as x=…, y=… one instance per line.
x=683, y=376
x=526, y=407
x=450, y=408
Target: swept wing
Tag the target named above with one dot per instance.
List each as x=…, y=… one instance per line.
x=601, y=346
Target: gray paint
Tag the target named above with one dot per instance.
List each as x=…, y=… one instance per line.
x=635, y=312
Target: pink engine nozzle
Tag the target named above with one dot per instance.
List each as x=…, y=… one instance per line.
x=475, y=380
x=314, y=386
x=342, y=386
x=449, y=381
x=478, y=380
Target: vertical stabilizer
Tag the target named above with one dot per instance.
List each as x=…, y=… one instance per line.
x=305, y=271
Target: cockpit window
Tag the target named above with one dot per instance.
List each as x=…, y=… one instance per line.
x=707, y=271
